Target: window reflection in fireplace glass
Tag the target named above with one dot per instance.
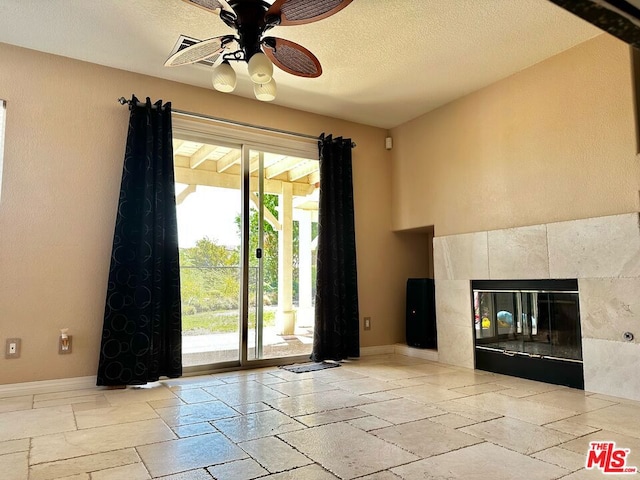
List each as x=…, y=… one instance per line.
x=536, y=323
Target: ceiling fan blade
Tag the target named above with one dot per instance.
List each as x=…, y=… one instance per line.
x=211, y=5
x=199, y=51
x=291, y=57
x=299, y=12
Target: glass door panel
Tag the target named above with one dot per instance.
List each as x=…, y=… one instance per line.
x=208, y=199
x=283, y=226
x=555, y=325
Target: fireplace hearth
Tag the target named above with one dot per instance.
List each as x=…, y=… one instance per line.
x=529, y=329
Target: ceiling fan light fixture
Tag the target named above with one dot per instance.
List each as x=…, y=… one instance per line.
x=224, y=78
x=260, y=68
x=265, y=92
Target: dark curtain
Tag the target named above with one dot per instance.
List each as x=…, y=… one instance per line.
x=142, y=333
x=336, y=334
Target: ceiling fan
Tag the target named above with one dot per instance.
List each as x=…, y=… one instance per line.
x=251, y=19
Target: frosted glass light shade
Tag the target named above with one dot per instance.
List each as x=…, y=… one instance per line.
x=260, y=68
x=266, y=92
x=224, y=78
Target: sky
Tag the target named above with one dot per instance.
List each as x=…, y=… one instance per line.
x=208, y=212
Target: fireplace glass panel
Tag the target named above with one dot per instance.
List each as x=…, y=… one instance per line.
x=532, y=323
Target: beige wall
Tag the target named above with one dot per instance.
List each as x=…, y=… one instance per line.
x=64, y=149
x=554, y=142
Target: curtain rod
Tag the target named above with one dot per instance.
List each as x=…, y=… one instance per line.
x=124, y=101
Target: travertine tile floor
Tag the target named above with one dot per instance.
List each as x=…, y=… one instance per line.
x=381, y=417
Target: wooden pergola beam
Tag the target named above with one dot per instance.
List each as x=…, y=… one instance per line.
x=303, y=170
x=201, y=155
x=227, y=180
x=227, y=161
x=268, y=216
x=282, y=166
x=181, y=197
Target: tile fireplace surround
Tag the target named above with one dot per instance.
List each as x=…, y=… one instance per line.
x=602, y=253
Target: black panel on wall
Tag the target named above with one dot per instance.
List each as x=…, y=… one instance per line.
x=421, y=313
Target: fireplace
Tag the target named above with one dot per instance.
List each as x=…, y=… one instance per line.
x=529, y=329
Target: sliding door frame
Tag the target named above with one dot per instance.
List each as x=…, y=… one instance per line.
x=204, y=130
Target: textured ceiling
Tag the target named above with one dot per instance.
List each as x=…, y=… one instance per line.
x=385, y=61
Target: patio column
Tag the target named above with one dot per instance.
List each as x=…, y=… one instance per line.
x=305, y=308
x=285, y=317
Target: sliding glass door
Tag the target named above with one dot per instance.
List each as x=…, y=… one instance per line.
x=282, y=228
x=247, y=221
x=209, y=203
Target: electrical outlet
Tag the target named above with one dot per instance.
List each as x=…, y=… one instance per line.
x=367, y=323
x=64, y=345
x=12, y=349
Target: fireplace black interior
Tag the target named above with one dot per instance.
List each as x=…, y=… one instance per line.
x=529, y=329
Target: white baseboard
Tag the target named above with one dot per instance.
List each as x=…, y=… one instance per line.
x=377, y=350
x=400, y=349
x=47, y=386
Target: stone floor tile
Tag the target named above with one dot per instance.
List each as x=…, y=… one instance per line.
x=62, y=446
x=517, y=435
x=451, y=380
x=479, y=388
x=516, y=408
x=347, y=451
x=386, y=475
x=97, y=402
x=476, y=414
x=563, y=458
x=308, y=404
x=32, y=423
x=427, y=394
x=83, y=392
x=480, y=462
x=247, y=469
x=574, y=399
x=381, y=396
x=274, y=455
x=167, y=402
x=332, y=416
x=200, y=474
x=452, y=420
x=14, y=466
x=100, y=417
x=177, y=456
x=572, y=428
x=14, y=404
x=311, y=472
x=84, y=464
x=193, y=395
x=302, y=387
x=248, y=392
x=620, y=418
x=256, y=425
x=369, y=423
x=365, y=385
x=581, y=445
x=252, y=408
x=426, y=438
x=70, y=400
x=194, y=429
x=196, y=413
x=138, y=394
x=14, y=446
x=400, y=410
x=135, y=471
